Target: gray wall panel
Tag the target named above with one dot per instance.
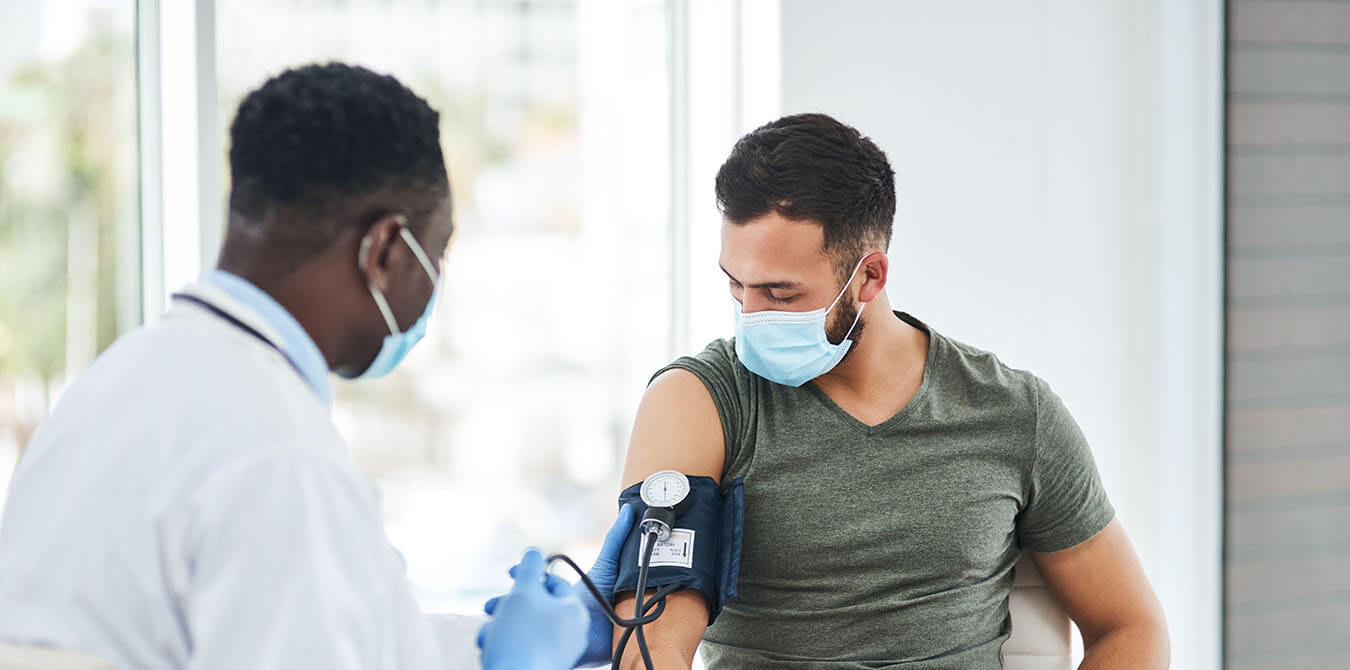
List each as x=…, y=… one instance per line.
x=1282, y=124
x=1288, y=379
x=1289, y=631
x=1322, y=479
x=1319, y=531
x=1296, y=73
x=1287, y=327
x=1290, y=173
x=1271, y=432
x=1333, y=659
x=1287, y=437
x=1292, y=280
x=1286, y=23
x=1308, y=226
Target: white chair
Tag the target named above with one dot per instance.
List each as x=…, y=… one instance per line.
x=29, y=657
x=1040, y=628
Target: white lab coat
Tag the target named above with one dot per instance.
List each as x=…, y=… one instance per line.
x=188, y=504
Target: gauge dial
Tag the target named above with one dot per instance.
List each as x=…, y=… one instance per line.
x=667, y=488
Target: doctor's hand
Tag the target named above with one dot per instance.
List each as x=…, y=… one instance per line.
x=539, y=625
x=600, y=636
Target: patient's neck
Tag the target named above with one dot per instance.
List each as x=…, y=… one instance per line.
x=882, y=371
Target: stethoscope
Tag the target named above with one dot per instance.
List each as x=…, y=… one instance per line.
x=237, y=323
x=667, y=496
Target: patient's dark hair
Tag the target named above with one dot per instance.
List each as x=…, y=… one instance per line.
x=315, y=140
x=810, y=167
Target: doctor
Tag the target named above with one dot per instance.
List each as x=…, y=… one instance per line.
x=189, y=503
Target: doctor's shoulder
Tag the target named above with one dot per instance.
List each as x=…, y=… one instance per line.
x=212, y=390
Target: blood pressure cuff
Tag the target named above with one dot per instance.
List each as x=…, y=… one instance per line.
x=704, y=549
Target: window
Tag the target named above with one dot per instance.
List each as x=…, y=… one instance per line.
x=69, y=236
x=505, y=427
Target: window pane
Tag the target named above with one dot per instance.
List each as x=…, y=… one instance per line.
x=507, y=425
x=69, y=241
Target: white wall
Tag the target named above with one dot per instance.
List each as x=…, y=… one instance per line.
x=1058, y=167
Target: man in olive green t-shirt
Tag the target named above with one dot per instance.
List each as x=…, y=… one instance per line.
x=893, y=475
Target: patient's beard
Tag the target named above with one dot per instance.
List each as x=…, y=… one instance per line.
x=841, y=320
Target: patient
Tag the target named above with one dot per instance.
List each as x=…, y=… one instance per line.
x=893, y=475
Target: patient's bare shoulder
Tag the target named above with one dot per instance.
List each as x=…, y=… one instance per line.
x=677, y=428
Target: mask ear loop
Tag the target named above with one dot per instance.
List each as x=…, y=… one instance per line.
x=417, y=250
x=844, y=290
x=856, y=317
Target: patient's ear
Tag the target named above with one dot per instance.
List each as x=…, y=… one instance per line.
x=875, y=269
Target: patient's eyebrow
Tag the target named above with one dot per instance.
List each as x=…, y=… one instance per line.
x=767, y=284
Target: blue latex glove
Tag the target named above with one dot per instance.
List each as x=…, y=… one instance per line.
x=600, y=637
x=539, y=625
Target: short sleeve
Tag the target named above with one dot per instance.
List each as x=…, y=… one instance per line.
x=1066, y=502
x=716, y=367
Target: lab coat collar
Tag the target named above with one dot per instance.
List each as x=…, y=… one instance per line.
x=244, y=301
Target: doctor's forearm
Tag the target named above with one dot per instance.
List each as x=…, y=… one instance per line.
x=1143, y=647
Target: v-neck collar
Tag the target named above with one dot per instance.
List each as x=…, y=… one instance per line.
x=930, y=361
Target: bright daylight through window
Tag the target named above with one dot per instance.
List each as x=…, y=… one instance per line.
x=507, y=426
x=69, y=238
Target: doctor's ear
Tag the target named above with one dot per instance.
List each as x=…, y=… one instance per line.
x=875, y=270
x=373, y=254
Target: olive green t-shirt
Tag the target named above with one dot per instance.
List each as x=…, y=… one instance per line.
x=892, y=546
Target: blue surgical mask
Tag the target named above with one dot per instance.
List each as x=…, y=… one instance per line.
x=397, y=344
x=791, y=348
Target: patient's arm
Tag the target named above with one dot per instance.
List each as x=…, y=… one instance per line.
x=677, y=428
x=1102, y=586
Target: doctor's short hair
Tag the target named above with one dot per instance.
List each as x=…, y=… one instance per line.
x=314, y=141
x=810, y=167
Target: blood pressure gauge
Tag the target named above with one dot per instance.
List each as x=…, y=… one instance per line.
x=667, y=488
x=666, y=494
